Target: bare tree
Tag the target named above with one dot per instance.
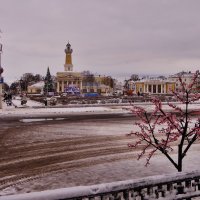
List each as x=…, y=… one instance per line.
x=163, y=130
x=135, y=77
x=88, y=77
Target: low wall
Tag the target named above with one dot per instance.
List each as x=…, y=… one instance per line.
x=184, y=185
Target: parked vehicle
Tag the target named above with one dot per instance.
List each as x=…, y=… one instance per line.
x=23, y=100
x=52, y=101
x=91, y=95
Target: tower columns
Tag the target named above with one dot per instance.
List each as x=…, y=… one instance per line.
x=62, y=89
x=58, y=86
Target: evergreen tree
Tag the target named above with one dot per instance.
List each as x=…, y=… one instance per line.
x=48, y=83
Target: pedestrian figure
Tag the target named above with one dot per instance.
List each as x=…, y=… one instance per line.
x=5, y=97
x=9, y=95
x=8, y=99
x=23, y=100
x=45, y=102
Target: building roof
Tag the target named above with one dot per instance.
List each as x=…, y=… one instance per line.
x=149, y=80
x=37, y=85
x=183, y=74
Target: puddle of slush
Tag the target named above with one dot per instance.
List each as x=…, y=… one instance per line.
x=38, y=120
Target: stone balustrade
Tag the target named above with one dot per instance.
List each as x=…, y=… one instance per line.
x=182, y=185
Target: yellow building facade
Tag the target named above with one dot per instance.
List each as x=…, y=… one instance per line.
x=36, y=88
x=100, y=84
x=68, y=77
x=151, y=86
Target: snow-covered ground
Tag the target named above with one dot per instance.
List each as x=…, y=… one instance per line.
x=115, y=166
x=94, y=169
x=28, y=109
x=30, y=103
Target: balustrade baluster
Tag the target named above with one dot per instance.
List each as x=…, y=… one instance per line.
x=198, y=183
x=157, y=193
x=142, y=195
x=82, y=198
x=188, y=184
x=180, y=188
x=169, y=187
x=101, y=197
x=110, y=197
x=116, y=196
x=163, y=192
x=195, y=184
x=150, y=192
x=134, y=195
x=126, y=195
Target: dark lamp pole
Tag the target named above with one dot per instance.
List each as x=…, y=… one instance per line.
x=20, y=83
x=1, y=78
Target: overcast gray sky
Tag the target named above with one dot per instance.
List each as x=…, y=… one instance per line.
x=112, y=37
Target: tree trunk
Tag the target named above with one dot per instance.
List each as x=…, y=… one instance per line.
x=179, y=158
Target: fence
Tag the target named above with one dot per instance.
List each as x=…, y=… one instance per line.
x=166, y=187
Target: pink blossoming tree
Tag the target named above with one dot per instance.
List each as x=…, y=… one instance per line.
x=165, y=130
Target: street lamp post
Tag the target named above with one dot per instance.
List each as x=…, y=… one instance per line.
x=20, y=84
x=1, y=78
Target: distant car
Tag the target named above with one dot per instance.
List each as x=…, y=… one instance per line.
x=52, y=101
x=64, y=94
x=70, y=94
x=23, y=100
x=91, y=95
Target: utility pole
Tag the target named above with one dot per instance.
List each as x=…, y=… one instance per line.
x=1, y=78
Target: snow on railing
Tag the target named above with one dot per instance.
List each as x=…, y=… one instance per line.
x=182, y=185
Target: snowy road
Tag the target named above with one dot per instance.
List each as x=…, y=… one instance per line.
x=51, y=154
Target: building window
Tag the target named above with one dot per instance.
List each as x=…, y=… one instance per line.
x=99, y=91
x=84, y=90
x=150, y=88
x=91, y=90
x=154, y=88
x=159, y=88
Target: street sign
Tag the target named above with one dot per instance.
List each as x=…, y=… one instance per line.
x=1, y=80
